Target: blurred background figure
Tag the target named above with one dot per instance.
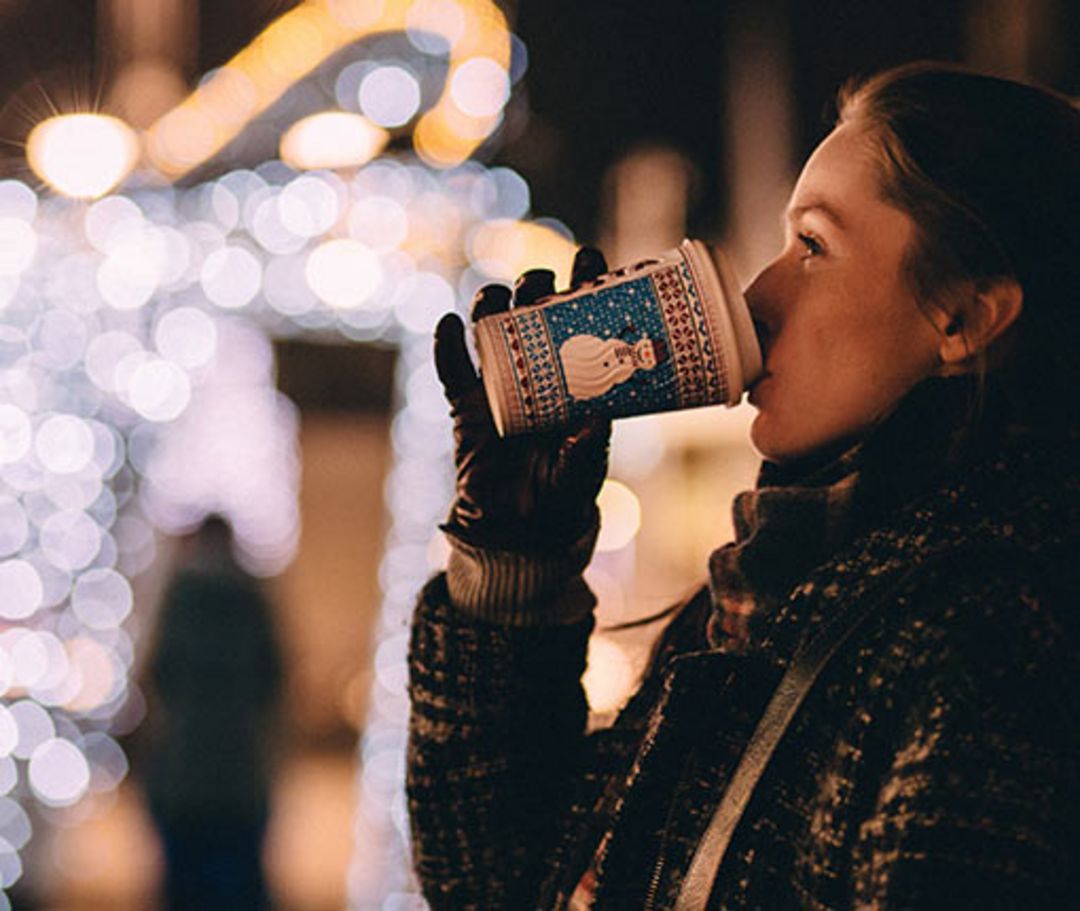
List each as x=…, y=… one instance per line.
x=216, y=676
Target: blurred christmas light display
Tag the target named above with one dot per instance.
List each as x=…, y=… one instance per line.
x=136, y=372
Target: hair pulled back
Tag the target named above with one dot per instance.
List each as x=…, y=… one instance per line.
x=989, y=170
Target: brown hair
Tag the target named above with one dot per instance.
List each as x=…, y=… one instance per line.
x=989, y=170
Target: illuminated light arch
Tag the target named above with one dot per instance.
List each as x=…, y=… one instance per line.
x=296, y=43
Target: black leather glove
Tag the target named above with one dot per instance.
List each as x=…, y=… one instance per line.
x=534, y=492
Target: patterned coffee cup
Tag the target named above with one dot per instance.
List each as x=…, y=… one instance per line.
x=666, y=333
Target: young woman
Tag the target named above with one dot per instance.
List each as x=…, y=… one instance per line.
x=873, y=703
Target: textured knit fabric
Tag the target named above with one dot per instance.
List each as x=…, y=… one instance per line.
x=521, y=589
x=781, y=532
x=934, y=764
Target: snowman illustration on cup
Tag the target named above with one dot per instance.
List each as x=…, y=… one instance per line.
x=593, y=365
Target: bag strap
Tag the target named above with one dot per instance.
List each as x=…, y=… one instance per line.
x=790, y=694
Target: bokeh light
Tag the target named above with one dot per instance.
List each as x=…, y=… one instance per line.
x=609, y=675
x=21, y=589
x=620, y=516
x=64, y=443
x=480, y=87
x=82, y=155
x=136, y=371
x=231, y=277
x=389, y=96
x=343, y=273
x=102, y=599
x=309, y=206
x=333, y=139
x=15, y=433
x=18, y=243
x=505, y=248
x=58, y=772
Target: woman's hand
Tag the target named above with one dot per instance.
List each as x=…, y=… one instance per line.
x=533, y=492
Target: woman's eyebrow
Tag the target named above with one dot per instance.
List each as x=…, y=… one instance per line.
x=815, y=205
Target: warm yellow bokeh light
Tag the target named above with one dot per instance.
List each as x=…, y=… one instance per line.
x=620, y=516
x=303, y=38
x=332, y=139
x=82, y=155
x=505, y=248
x=609, y=676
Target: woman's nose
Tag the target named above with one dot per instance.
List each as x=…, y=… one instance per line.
x=763, y=300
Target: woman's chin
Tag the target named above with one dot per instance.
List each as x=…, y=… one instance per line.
x=771, y=441
x=764, y=439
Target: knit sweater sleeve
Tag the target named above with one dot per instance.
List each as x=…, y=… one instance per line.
x=974, y=801
x=497, y=736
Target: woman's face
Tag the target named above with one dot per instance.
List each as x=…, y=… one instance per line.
x=842, y=335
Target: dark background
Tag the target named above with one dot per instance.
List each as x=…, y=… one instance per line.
x=603, y=75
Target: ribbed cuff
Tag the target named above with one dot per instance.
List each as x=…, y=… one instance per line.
x=521, y=589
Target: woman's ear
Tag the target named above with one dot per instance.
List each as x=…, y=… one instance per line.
x=976, y=320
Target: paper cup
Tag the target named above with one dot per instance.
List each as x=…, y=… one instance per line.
x=667, y=333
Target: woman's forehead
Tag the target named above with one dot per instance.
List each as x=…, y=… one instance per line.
x=839, y=180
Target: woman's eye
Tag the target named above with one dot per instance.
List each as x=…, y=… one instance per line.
x=811, y=246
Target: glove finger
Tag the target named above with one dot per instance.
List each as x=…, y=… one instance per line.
x=533, y=285
x=490, y=299
x=588, y=264
x=588, y=443
x=452, y=362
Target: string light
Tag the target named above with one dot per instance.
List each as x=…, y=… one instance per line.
x=474, y=33
x=136, y=375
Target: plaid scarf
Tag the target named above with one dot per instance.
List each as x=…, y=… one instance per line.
x=798, y=515
x=782, y=531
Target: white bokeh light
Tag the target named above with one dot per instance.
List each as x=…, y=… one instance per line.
x=11, y=870
x=389, y=96
x=231, y=277
x=9, y=731
x=113, y=317
x=103, y=355
x=273, y=235
x=480, y=87
x=107, y=215
x=9, y=775
x=29, y=655
x=59, y=773
x=102, y=599
x=70, y=539
x=131, y=272
x=14, y=528
x=380, y=222
x=159, y=390
x=15, y=433
x=420, y=300
x=332, y=139
x=15, y=826
x=64, y=444
x=82, y=155
x=21, y=590
x=309, y=206
x=187, y=336
x=286, y=288
x=18, y=244
x=34, y=725
x=17, y=200
x=60, y=337
x=343, y=273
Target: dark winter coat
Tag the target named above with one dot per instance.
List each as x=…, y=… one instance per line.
x=934, y=764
